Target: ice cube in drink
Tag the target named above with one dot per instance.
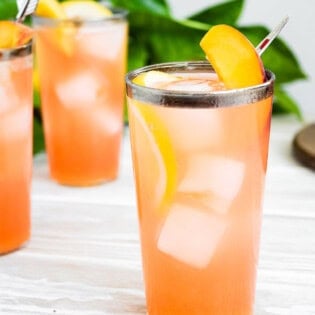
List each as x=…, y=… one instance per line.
x=191, y=235
x=106, y=44
x=81, y=89
x=218, y=176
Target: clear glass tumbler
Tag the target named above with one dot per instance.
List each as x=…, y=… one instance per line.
x=16, y=134
x=199, y=158
x=81, y=67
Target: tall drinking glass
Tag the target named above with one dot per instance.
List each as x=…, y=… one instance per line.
x=199, y=157
x=16, y=112
x=81, y=69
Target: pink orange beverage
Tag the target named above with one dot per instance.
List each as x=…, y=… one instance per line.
x=81, y=68
x=199, y=157
x=16, y=112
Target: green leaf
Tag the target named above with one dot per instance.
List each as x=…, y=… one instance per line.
x=36, y=98
x=195, y=25
x=156, y=36
x=279, y=58
x=284, y=103
x=173, y=49
x=223, y=13
x=142, y=23
x=8, y=9
x=137, y=53
x=164, y=39
x=176, y=46
x=38, y=133
x=156, y=7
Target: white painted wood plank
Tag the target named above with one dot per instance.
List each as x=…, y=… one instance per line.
x=119, y=191
x=84, y=255
x=82, y=259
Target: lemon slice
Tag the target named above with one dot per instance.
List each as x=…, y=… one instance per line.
x=158, y=139
x=85, y=9
x=154, y=148
x=50, y=9
x=154, y=79
x=76, y=9
x=161, y=157
x=233, y=57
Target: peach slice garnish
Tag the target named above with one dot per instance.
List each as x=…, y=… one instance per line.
x=13, y=34
x=233, y=57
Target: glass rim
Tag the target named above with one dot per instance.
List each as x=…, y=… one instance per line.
x=119, y=14
x=172, y=98
x=16, y=52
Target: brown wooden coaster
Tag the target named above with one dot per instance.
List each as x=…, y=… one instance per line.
x=304, y=146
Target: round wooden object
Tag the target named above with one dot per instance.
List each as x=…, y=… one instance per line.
x=304, y=146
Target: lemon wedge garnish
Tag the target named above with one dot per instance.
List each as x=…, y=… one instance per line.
x=64, y=32
x=85, y=9
x=72, y=10
x=50, y=9
x=158, y=170
x=78, y=10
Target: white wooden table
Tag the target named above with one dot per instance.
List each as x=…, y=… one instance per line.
x=84, y=254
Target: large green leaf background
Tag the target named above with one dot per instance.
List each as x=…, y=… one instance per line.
x=8, y=9
x=156, y=36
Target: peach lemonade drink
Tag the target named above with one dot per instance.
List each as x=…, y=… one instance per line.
x=199, y=155
x=81, y=59
x=15, y=134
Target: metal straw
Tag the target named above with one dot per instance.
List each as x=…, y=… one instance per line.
x=25, y=8
x=264, y=44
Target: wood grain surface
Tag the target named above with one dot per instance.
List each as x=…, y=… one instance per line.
x=84, y=254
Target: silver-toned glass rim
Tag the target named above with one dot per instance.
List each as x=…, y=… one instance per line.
x=171, y=98
x=17, y=52
x=118, y=15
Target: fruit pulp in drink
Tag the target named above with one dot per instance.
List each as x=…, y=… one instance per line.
x=81, y=71
x=15, y=151
x=199, y=176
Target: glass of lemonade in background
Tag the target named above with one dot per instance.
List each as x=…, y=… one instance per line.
x=81, y=65
x=199, y=157
x=16, y=112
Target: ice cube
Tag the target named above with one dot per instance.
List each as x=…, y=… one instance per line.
x=194, y=85
x=190, y=235
x=5, y=73
x=17, y=123
x=5, y=99
x=80, y=90
x=105, y=43
x=214, y=202
x=106, y=119
x=192, y=129
x=8, y=96
x=22, y=63
x=219, y=176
